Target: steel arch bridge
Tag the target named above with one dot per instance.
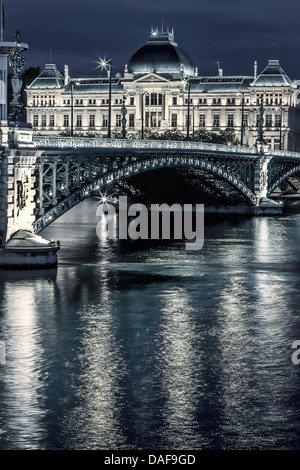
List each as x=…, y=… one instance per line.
x=42, y=183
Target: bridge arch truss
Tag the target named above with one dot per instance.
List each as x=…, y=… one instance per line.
x=64, y=179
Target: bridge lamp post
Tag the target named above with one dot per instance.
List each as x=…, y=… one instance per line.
x=239, y=93
x=142, y=112
x=188, y=111
x=280, y=108
x=107, y=65
x=196, y=106
x=73, y=82
x=186, y=83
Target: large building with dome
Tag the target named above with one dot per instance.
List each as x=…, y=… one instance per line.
x=162, y=91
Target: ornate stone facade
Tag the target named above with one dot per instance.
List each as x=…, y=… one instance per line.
x=162, y=92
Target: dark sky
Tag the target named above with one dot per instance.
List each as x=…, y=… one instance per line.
x=234, y=32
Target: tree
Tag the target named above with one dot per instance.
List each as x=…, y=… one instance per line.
x=172, y=134
x=202, y=136
x=228, y=136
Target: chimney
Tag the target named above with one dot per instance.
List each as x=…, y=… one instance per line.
x=255, y=70
x=66, y=74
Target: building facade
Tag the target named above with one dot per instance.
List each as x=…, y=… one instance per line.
x=162, y=92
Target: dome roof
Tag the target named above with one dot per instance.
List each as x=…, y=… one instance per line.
x=161, y=55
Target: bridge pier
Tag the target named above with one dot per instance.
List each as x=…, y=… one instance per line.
x=264, y=205
x=19, y=246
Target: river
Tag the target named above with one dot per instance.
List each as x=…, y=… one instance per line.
x=139, y=345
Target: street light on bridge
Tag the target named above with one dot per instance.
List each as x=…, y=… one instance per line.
x=186, y=83
x=73, y=82
x=142, y=113
x=196, y=106
x=280, y=108
x=238, y=94
x=107, y=65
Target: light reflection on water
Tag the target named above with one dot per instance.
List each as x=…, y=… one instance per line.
x=133, y=345
x=179, y=368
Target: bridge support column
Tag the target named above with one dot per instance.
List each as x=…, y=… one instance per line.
x=54, y=199
x=66, y=190
x=261, y=177
x=41, y=182
x=19, y=246
x=78, y=174
x=264, y=205
x=17, y=194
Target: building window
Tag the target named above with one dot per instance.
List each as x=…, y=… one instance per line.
x=66, y=120
x=153, y=99
x=131, y=120
x=104, y=120
x=277, y=144
x=202, y=101
x=35, y=120
x=156, y=99
x=78, y=120
x=277, y=120
x=51, y=120
x=155, y=119
x=147, y=98
x=230, y=120
x=201, y=120
x=43, y=123
x=268, y=120
x=132, y=100
x=174, y=120
x=118, y=120
x=92, y=120
x=174, y=101
x=216, y=120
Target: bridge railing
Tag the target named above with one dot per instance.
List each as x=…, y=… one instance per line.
x=43, y=141
x=103, y=143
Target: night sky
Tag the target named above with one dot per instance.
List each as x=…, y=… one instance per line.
x=233, y=32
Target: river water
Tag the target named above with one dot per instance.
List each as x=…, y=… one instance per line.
x=131, y=345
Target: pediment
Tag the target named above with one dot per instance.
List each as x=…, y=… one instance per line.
x=151, y=77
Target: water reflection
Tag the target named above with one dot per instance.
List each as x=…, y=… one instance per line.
x=235, y=344
x=156, y=347
x=95, y=421
x=22, y=378
x=180, y=365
